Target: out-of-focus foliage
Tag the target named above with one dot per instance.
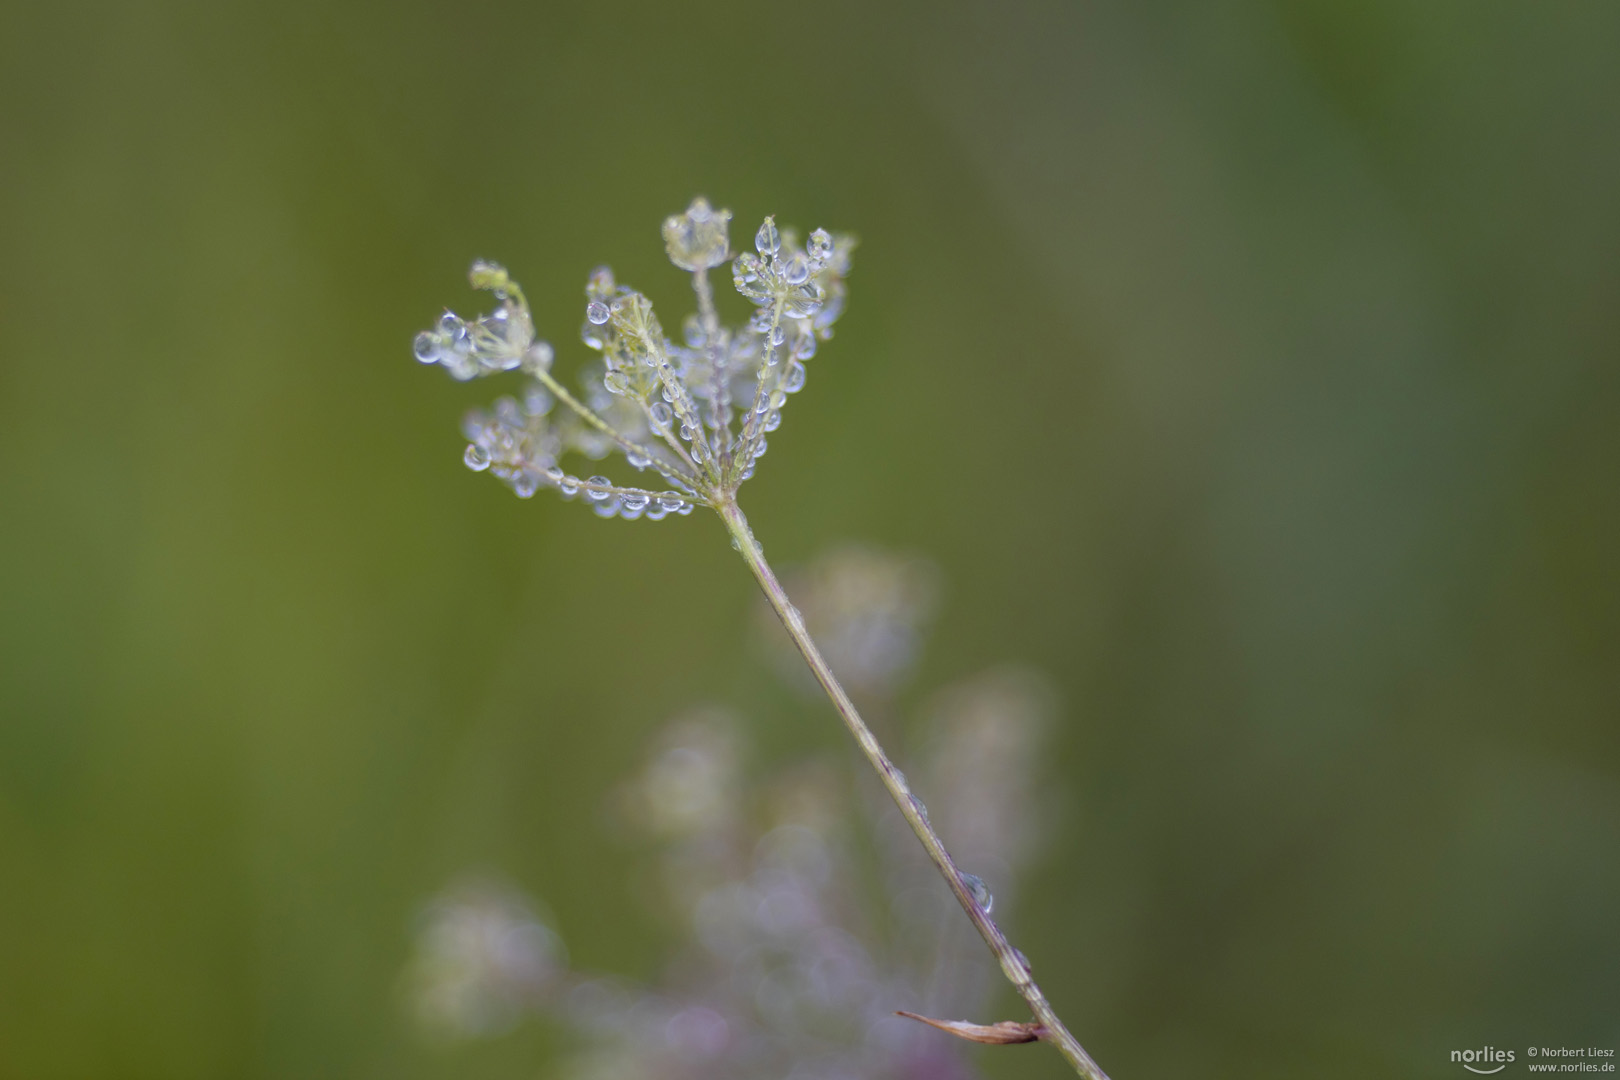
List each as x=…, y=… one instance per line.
x=787, y=965
x=1248, y=367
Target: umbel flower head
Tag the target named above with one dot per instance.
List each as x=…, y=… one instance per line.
x=695, y=411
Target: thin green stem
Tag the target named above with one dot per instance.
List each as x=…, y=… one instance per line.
x=1013, y=963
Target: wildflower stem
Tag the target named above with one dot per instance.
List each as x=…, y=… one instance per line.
x=1013, y=963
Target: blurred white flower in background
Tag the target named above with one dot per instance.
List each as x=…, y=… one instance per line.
x=483, y=959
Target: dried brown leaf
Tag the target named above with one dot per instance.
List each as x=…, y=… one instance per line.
x=1000, y=1034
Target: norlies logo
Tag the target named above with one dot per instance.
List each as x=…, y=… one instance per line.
x=1481, y=1060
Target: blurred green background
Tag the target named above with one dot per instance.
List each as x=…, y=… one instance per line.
x=1250, y=367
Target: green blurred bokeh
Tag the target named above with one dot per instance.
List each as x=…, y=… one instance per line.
x=1250, y=367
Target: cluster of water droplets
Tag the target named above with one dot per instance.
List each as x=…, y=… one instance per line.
x=519, y=442
x=695, y=410
x=502, y=340
x=799, y=295
x=608, y=501
x=514, y=441
x=637, y=368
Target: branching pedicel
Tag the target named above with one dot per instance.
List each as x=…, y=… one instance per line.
x=674, y=409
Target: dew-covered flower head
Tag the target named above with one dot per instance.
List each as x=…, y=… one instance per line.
x=695, y=409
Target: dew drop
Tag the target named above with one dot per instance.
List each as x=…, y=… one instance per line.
x=821, y=245
x=1015, y=968
x=798, y=270
x=476, y=457
x=778, y=335
x=634, y=502
x=661, y=415
x=805, y=347
x=526, y=483
x=568, y=485
x=793, y=378
x=670, y=503
x=426, y=347
x=599, y=496
x=778, y=398
x=979, y=891
x=451, y=326
x=773, y=420
x=768, y=241
x=637, y=461
x=596, y=312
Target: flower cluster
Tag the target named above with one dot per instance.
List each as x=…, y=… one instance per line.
x=695, y=411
